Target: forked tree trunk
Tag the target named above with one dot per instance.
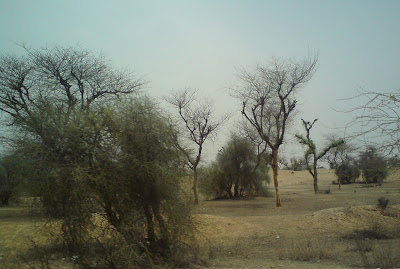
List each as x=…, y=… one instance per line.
x=196, y=196
x=275, y=170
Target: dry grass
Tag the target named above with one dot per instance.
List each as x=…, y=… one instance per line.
x=309, y=231
x=307, y=249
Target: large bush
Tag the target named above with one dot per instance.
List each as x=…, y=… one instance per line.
x=106, y=168
x=374, y=167
x=238, y=171
x=117, y=191
x=347, y=173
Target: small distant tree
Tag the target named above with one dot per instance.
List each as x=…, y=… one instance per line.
x=311, y=156
x=347, y=173
x=238, y=171
x=295, y=164
x=374, y=166
x=200, y=124
x=268, y=99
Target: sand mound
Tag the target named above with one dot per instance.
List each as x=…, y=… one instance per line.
x=355, y=217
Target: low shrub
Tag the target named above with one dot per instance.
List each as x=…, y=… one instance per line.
x=383, y=202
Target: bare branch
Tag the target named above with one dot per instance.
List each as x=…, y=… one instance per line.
x=268, y=98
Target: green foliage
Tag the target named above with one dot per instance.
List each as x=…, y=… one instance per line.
x=122, y=166
x=347, y=173
x=238, y=171
x=311, y=156
x=383, y=202
x=374, y=167
x=106, y=169
x=13, y=172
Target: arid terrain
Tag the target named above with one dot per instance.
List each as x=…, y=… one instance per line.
x=310, y=230
x=341, y=229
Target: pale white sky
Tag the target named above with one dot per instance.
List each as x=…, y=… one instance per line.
x=176, y=44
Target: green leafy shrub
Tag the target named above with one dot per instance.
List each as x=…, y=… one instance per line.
x=237, y=172
x=373, y=166
x=383, y=202
x=347, y=173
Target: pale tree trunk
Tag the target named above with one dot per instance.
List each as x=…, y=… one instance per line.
x=196, y=196
x=275, y=170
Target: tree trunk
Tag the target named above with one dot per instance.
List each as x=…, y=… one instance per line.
x=196, y=196
x=163, y=228
x=275, y=170
x=151, y=237
x=236, y=190
x=315, y=176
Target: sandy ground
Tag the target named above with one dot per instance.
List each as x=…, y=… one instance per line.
x=309, y=231
x=256, y=234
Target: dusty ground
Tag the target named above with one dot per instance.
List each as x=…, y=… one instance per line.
x=309, y=231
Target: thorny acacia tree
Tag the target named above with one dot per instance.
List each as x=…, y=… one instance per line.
x=199, y=123
x=268, y=98
x=311, y=156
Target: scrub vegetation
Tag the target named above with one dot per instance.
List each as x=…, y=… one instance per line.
x=98, y=175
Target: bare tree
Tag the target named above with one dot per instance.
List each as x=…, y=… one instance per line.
x=377, y=120
x=200, y=124
x=68, y=78
x=268, y=97
x=311, y=151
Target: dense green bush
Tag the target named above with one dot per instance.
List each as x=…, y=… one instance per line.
x=347, y=173
x=237, y=172
x=14, y=171
x=374, y=167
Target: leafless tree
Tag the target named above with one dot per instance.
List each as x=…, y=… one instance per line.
x=268, y=98
x=200, y=124
x=311, y=156
x=377, y=120
x=67, y=77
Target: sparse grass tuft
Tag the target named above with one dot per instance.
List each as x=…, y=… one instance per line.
x=307, y=250
x=383, y=202
x=385, y=256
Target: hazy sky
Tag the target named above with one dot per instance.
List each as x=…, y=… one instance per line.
x=176, y=44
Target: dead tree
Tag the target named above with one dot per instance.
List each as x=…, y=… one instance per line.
x=199, y=124
x=311, y=156
x=268, y=98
